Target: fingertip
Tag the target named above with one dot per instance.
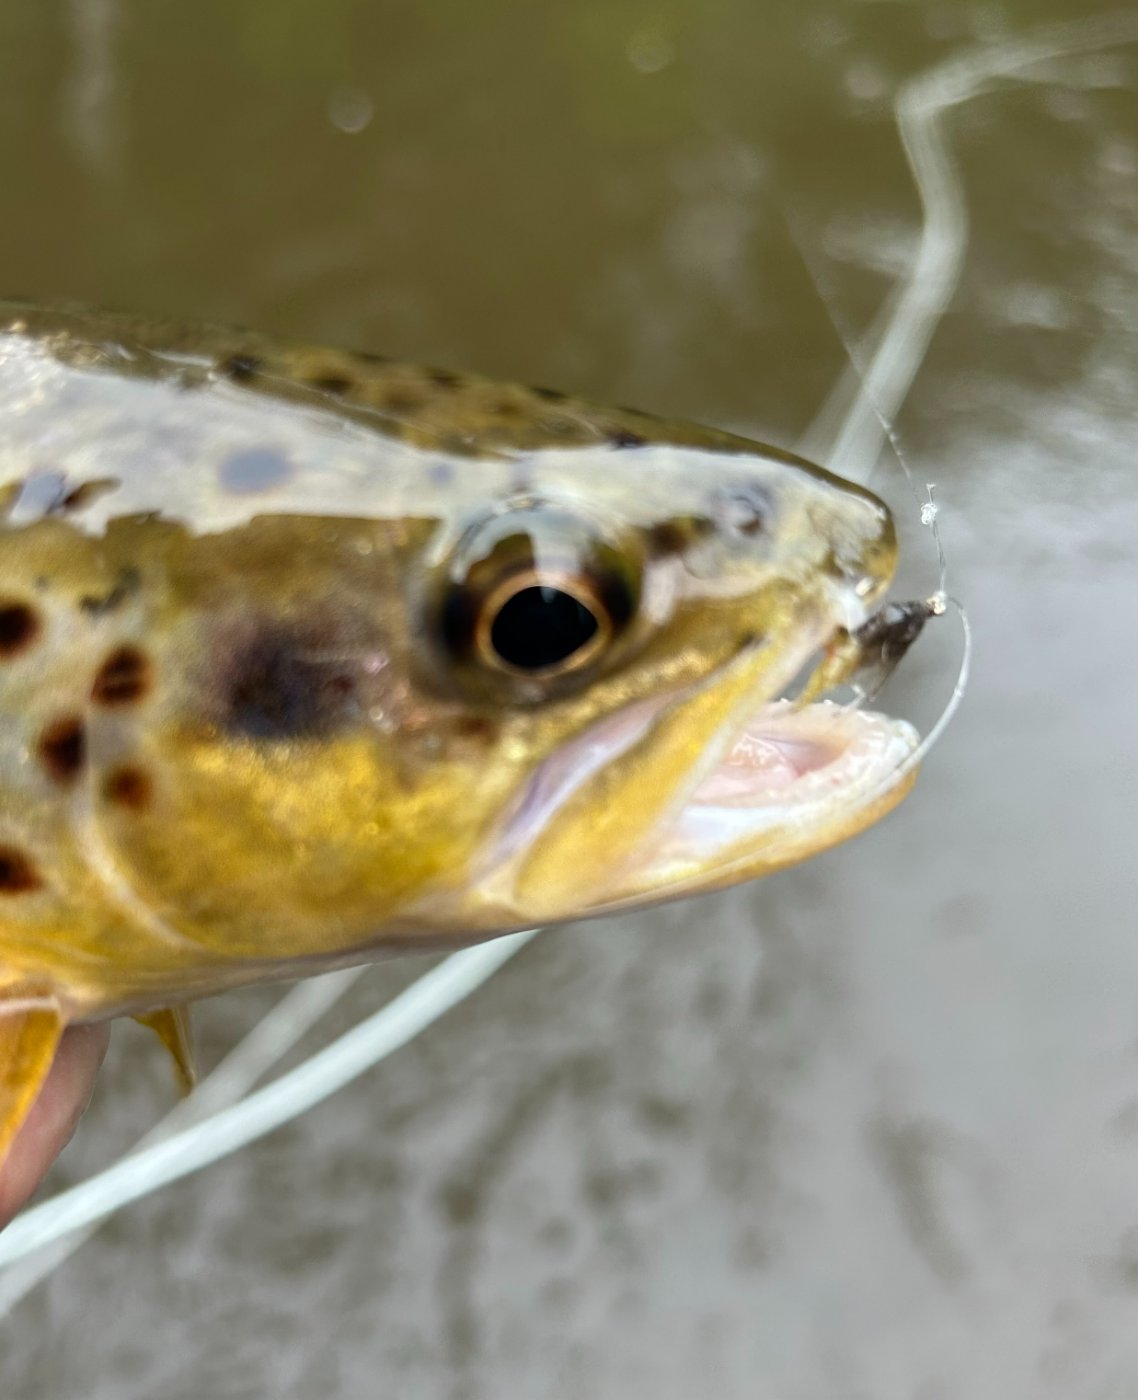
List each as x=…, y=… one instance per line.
x=53, y=1117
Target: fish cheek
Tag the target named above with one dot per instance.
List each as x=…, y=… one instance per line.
x=599, y=832
x=271, y=849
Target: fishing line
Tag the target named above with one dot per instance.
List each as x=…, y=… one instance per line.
x=286, y=1098
x=929, y=512
x=231, y=1121
x=918, y=304
x=932, y=279
x=270, y=1040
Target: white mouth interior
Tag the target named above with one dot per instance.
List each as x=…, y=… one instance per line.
x=790, y=765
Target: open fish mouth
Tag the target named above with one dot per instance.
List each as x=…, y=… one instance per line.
x=796, y=779
x=773, y=782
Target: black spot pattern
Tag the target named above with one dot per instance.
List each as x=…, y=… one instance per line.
x=62, y=749
x=128, y=786
x=278, y=685
x=667, y=537
x=123, y=678
x=99, y=605
x=19, y=627
x=18, y=875
x=241, y=368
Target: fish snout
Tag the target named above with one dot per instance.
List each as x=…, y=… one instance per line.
x=863, y=555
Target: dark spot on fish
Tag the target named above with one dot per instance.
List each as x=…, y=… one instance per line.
x=123, y=678
x=440, y=473
x=19, y=627
x=507, y=408
x=337, y=384
x=444, y=378
x=474, y=727
x=17, y=873
x=128, y=786
x=616, y=596
x=551, y=395
x=277, y=685
x=370, y=357
x=62, y=748
x=402, y=402
x=86, y=493
x=241, y=368
x=254, y=469
x=621, y=437
x=128, y=582
x=668, y=537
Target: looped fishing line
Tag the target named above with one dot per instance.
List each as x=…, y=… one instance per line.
x=221, y=1117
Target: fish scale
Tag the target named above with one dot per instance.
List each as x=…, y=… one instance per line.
x=306, y=656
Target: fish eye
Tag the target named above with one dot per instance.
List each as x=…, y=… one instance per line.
x=540, y=626
x=533, y=596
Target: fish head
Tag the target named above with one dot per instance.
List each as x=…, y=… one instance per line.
x=306, y=655
x=553, y=686
x=625, y=631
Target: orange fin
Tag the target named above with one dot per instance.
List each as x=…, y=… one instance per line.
x=171, y=1025
x=29, y=1033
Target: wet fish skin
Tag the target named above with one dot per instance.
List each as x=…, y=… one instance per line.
x=269, y=619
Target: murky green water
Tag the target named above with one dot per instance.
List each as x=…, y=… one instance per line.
x=869, y=1129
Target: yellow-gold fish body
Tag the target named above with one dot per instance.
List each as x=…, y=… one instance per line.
x=306, y=654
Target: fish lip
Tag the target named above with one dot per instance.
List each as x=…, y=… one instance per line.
x=744, y=836
x=563, y=772
x=804, y=744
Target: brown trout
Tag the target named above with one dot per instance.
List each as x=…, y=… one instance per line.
x=306, y=655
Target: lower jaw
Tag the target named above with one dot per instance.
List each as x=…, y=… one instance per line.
x=796, y=781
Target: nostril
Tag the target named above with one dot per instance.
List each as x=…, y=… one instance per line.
x=863, y=557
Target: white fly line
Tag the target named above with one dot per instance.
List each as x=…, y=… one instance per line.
x=223, y=1115
x=252, y=1117
x=917, y=304
x=270, y=1040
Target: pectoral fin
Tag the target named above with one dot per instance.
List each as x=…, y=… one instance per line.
x=30, y=1030
x=171, y=1025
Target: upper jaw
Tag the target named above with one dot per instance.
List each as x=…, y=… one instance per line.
x=797, y=776
x=797, y=780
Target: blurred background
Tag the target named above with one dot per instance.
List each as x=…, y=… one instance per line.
x=869, y=1128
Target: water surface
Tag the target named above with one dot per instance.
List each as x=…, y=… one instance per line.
x=870, y=1128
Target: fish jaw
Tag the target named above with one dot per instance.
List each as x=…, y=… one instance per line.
x=788, y=782
x=686, y=793
x=796, y=781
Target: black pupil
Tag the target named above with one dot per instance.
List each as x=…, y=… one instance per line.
x=540, y=626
